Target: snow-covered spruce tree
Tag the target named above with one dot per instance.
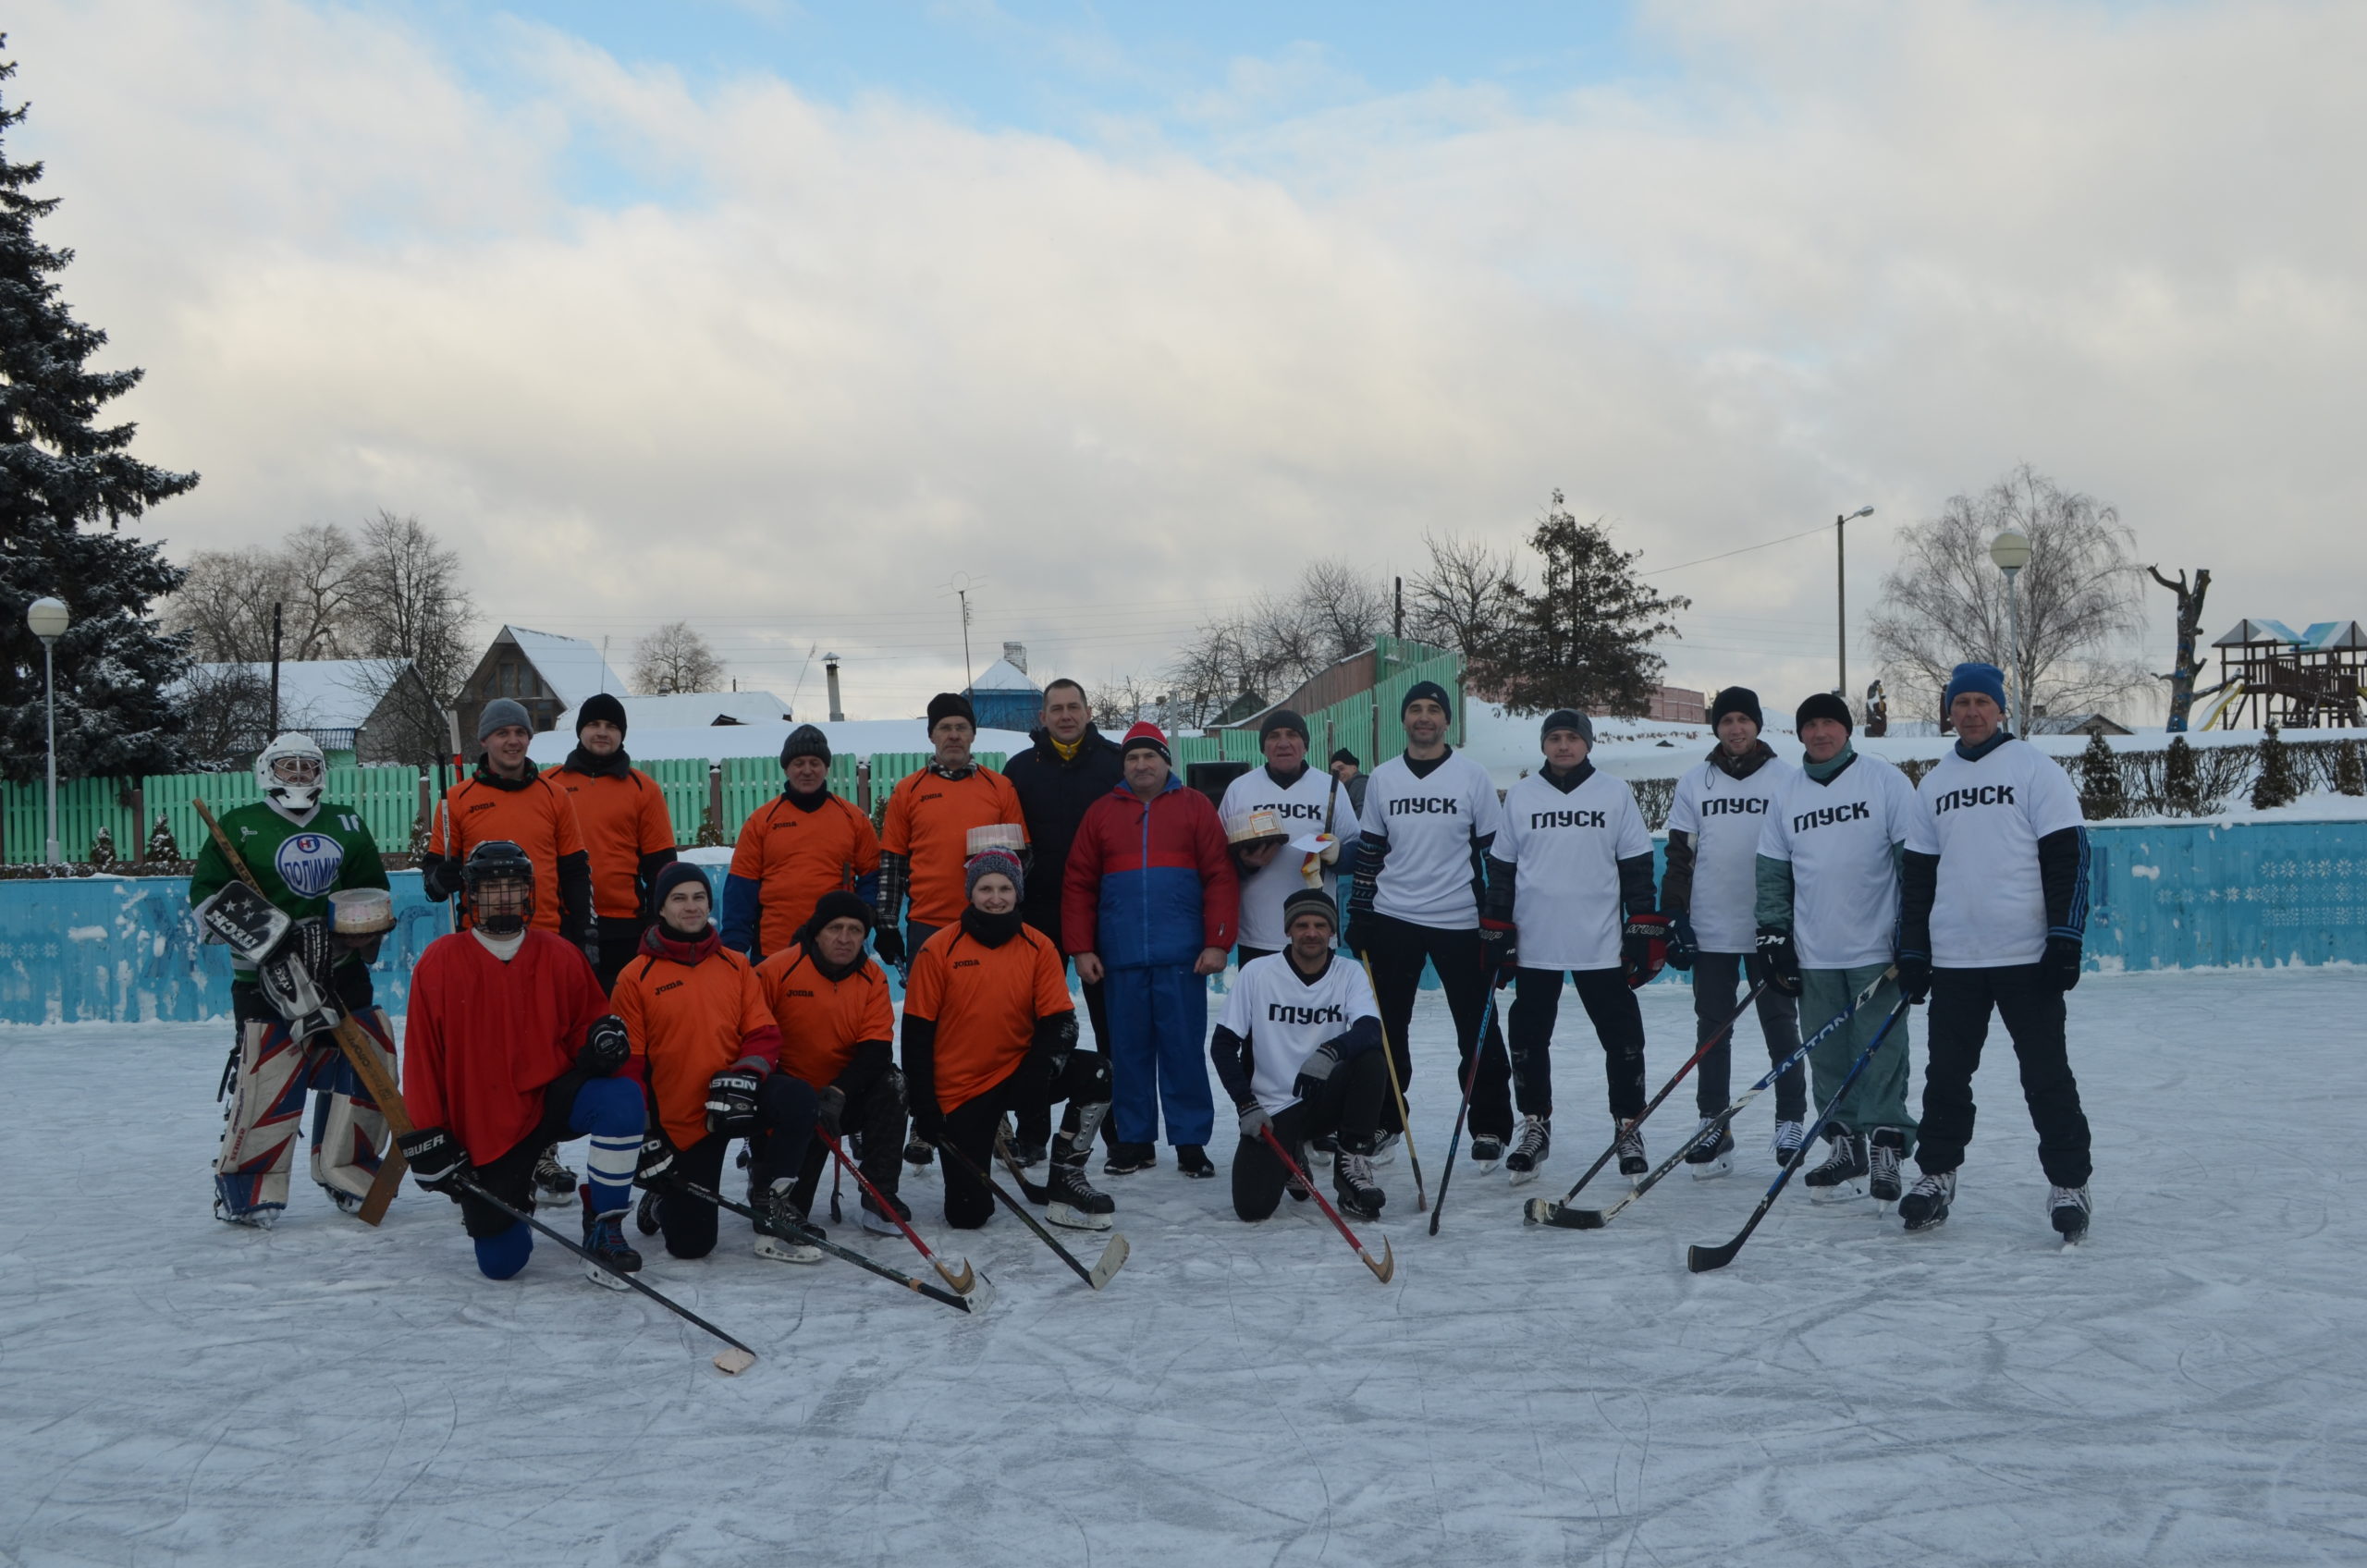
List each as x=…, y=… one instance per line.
x=161, y=848
x=62, y=473
x=2275, y=784
x=2102, y=795
x=2349, y=769
x=2181, y=780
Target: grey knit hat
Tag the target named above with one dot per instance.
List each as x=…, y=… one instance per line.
x=499, y=712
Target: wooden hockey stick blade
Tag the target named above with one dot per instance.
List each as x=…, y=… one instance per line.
x=384, y=1184
x=1385, y=1268
x=1113, y=1258
x=733, y=1362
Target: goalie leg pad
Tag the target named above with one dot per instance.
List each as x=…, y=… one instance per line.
x=348, y=1131
x=266, y=1113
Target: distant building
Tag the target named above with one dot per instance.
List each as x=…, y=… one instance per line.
x=355, y=710
x=1003, y=696
x=2044, y=723
x=690, y=710
x=1675, y=705
x=547, y=674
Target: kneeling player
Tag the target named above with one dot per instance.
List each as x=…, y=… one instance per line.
x=510, y=1049
x=990, y=1028
x=699, y=1024
x=830, y=1000
x=1299, y=1051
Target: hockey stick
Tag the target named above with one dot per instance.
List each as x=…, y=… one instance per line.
x=1701, y=1260
x=360, y=1053
x=1470, y=1079
x=736, y=1360
x=964, y=1281
x=1539, y=1211
x=1113, y=1256
x=1405, y=1117
x=966, y=1303
x=1382, y=1270
x=1596, y=1218
x=1027, y=1189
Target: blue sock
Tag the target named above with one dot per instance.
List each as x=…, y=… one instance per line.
x=609, y=1110
x=500, y=1258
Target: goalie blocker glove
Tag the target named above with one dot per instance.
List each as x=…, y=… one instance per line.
x=295, y=980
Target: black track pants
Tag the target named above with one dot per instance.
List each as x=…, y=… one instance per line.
x=1350, y=1106
x=776, y=1145
x=1618, y=1023
x=875, y=1118
x=1717, y=978
x=1083, y=1080
x=2032, y=1010
x=1035, y=1121
x=1397, y=951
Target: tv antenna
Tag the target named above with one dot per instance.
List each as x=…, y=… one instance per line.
x=959, y=585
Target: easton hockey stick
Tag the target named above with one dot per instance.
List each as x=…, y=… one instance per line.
x=1385, y=1266
x=360, y=1052
x=964, y=1281
x=1701, y=1260
x=1596, y=1218
x=1113, y=1256
x=1539, y=1211
x=736, y=1360
x=1479, y=1048
x=976, y=1302
x=1405, y=1117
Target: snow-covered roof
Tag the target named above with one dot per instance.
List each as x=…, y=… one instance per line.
x=683, y=710
x=1003, y=676
x=570, y=667
x=321, y=693
x=851, y=737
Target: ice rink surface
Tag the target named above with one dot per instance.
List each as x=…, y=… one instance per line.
x=2185, y=1388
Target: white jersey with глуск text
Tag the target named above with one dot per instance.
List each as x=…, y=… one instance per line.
x=1567, y=848
x=1306, y=806
x=1843, y=840
x=1983, y=818
x=1437, y=825
x=1283, y=1017
x=1725, y=816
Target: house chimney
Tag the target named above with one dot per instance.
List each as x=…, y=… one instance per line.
x=831, y=668
x=1016, y=653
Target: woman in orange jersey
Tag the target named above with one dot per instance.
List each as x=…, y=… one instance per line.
x=507, y=798
x=699, y=1024
x=836, y=1024
x=628, y=836
x=799, y=845
x=990, y=1028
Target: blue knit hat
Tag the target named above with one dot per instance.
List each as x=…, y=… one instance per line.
x=1985, y=678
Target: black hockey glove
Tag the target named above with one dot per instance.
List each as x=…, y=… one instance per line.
x=2060, y=966
x=1782, y=963
x=295, y=979
x=888, y=943
x=1500, y=941
x=439, y=877
x=606, y=1049
x=1358, y=936
x=732, y=1100
x=928, y=1126
x=437, y=1157
x=1682, y=947
x=1915, y=977
x=655, y=1167
x=1254, y=1120
x=1316, y=1069
x=1643, y=948
x=830, y=1111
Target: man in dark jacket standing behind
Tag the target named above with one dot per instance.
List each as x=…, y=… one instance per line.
x=1070, y=767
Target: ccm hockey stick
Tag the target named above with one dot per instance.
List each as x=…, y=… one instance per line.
x=736, y=1360
x=1113, y=1256
x=1701, y=1260
x=361, y=1051
x=1383, y=1268
x=966, y=1303
x=1540, y=1211
x=964, y=1282
x=1596, y=1218
x=1405, y=1117
x=1470, y=1079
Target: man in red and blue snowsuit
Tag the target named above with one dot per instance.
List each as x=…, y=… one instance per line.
x=1148, y=908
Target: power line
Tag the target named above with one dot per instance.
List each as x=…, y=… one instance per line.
x=1705, y=561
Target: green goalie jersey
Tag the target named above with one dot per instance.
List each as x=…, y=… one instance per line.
x=298, y=869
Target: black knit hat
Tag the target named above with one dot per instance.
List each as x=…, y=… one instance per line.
x=836, y=904
x=1310, y=901
x=806, y=741
x=1281, y=719
x=602, y=706
x=1737, y=699
x=673, y=875
x=1431, y=689
x=1345, y=755
x=1823, y=704
x=1567, y=718
x=950, y=705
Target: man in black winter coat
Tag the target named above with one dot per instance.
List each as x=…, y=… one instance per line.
x=1071, y=766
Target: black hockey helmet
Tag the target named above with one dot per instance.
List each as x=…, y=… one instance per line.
x=498, y=863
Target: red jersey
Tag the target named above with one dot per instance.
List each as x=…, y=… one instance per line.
x=483, y=1039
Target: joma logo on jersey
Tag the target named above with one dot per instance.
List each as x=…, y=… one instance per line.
x=309, y=863
x=669, y=985
x=1284, y=1012
x=965, y=963
x=1856, y=810
x=1566, y=819
x=1426, y=805
x=482, y=806
x=1984, y=795
x=1734, y=805
x=807, y=995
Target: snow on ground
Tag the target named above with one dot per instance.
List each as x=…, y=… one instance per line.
x=2187, y=1389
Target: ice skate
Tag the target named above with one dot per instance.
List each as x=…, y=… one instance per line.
x=262, y=1218
x=1629, y=1138
x=644, y=1218
x=1487, y=1150
x=2067, y=1210
x=1325, y=1145
x=879, y=1224
x=1711, y=1156
x=1071, y=1199
x=1353, y=1187
x=1789, y=1136
x=1888, y=1148
x=1926, y=1206
x=1529, y=1149
x=1842, y=1178
x=347, y=1203
x=604, y=1238
x=554, y=1184
x=782, y=1230
x=1384, y=1149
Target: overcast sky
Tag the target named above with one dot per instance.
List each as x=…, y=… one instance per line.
x=776, y=317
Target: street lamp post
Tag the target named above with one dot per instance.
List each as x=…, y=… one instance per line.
x=2011, y=551
x=48, y=619
x=1841, y=593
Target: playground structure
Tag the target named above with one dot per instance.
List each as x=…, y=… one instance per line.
x=2271, y=675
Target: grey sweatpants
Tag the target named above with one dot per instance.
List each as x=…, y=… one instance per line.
x=1879, y=1097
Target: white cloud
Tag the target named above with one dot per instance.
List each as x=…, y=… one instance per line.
x=1880, y=253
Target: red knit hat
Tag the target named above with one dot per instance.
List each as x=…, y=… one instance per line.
x=1145, y=733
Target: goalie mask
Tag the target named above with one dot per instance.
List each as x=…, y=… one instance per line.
x=290, y=773
x=498, y=888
